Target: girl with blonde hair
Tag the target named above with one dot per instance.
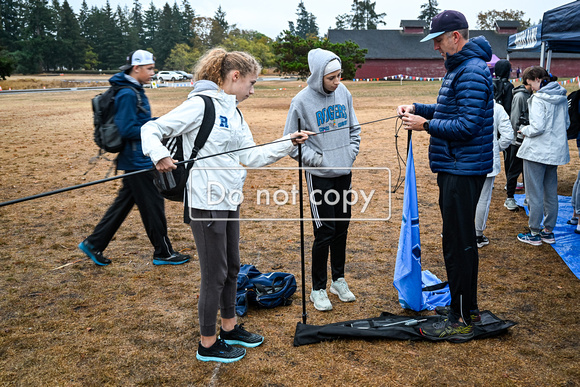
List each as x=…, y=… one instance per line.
x=228, y=78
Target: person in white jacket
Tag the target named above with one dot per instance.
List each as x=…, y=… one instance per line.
x=545, y=146
x=502, y=126
x=228, y=78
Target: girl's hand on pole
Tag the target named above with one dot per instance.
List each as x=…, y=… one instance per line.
x=300, y=137
x=166, y=164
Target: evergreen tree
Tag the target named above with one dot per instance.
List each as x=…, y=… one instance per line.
x=167, y=37
x=137, y=32
x=37, y=44
x=82, y=18
x=220, y=28
x=70, y=43
x=151, y=26
x=363, y=16
x=110, y=48
x=429, y=10
x=185, y=25
x=292, y=54
x=11, y=23
x=7, y=64
x=305, y=26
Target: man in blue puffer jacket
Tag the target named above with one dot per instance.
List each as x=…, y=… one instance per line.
x=137, y=189
x=461, y=153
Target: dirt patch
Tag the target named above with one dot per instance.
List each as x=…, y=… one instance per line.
x=136, y=324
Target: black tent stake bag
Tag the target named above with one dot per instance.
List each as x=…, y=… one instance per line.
x=172, y=184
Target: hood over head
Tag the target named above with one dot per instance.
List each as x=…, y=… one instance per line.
x=318, y=59
x=503, y=68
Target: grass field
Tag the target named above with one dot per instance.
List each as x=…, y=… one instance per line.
x=132, y=323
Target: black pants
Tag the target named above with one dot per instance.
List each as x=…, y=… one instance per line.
x=140, y=190
x=514, y=167
x=458, y=197
x=217, y=239
x=327, y=201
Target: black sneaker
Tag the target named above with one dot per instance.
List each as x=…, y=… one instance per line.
x=457, y=332
x=94, y=254
x=174, y=259
x=474, y=314
x=220, y=351
x=482, y=241
x=240, y=336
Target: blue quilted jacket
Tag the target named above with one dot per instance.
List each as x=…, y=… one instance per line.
x=461, y=126
x=129, y=121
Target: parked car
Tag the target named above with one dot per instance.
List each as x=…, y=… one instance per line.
x=185, y=75
x=164, y=76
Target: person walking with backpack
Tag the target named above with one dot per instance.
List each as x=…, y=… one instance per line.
x=326, y=107
x=228, y=78
x=544, y=148
x=137, y=189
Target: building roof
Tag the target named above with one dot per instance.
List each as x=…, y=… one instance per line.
x=414, y=23
x=394, y=44
x=508, y=23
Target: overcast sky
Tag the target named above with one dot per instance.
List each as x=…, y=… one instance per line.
x=270, y=17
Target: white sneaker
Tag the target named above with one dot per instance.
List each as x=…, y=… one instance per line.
x=320, y=299
x=510, y=204
x=340, y=288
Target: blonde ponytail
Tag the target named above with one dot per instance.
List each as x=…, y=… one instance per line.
x=217, y=63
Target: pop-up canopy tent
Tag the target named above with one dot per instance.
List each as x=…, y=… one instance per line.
x=558, y=32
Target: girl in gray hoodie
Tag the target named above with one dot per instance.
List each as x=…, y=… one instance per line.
x=325, y=107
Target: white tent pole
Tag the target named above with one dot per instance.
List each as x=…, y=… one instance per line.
x=542, y=54
x=549, y=61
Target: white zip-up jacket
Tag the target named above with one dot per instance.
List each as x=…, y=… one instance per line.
x=215, y=182
x=545, y=138
x=503, y=126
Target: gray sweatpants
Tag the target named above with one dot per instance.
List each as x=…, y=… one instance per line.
x=482, y=210
x=217, y=243
x=576, y=195
x=542, y=194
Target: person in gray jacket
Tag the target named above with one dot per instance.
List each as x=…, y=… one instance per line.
x=514, y=166
x=545, y=146
x=325, y=107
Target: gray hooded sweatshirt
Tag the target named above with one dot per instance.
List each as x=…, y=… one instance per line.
x=331, y=116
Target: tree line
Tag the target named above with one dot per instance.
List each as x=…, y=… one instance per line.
x=37, y=36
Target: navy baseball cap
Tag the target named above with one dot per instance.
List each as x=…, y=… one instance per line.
x=444, y=22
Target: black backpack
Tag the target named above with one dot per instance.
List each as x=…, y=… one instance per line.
x=172, y=184
x=106, y=133
x=574, y=128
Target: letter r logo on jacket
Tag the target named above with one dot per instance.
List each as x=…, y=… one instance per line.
x=223, y=122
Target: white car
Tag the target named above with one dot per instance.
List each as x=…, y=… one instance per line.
x=186, y=76
x=164, y=76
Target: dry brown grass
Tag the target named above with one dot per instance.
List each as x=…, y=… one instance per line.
x=131, y=323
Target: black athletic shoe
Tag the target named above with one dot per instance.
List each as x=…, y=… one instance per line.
x=174, y=259
x=220, y=351
x=94, y=254
x=457, y=332
x=240, y=336
x=474, y=314
x=482, y=241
